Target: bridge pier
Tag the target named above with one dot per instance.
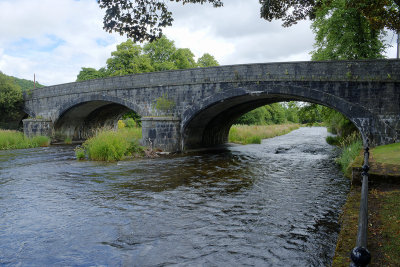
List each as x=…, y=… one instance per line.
x=33, y=127
x=162, y=133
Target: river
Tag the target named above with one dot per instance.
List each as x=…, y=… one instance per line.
x=273, y=204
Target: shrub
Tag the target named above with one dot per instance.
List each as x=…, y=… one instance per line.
x=130, y=123
x=110, y=145
x=121, y=124
x=332, y=140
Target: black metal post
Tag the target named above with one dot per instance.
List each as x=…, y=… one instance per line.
x=360, y=255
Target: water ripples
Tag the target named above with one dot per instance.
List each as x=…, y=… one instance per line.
x=274, y=204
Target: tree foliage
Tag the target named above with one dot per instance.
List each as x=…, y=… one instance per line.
x=159, y=55
x=207, y=60
x=346, y=30
x=276, y=113
x=26, y=84
x=10, y=98
x=143, y=20
x=128, y=59
x=90, y=73
x=342, y=32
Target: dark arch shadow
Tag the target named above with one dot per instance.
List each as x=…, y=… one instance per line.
x=90, y=98
x=207, y=123
x=80, y=119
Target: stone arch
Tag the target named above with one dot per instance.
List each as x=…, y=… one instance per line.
x=208, y=122
x=89, y=98
x=80, y=117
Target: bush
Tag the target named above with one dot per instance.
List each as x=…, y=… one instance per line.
x=106, y=146
x=130, y=123
x=109, y=145
x=333, y=140
x=121, y=124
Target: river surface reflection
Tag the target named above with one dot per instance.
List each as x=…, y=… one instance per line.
x=274, y=204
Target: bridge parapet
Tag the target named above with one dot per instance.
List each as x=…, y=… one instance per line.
x=349, y=71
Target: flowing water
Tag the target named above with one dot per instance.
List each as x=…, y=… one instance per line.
x=274, y=204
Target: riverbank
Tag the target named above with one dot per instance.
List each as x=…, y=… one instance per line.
x=253, y=134
x=10, y=139
x=383, y=208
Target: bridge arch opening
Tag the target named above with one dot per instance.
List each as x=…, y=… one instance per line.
x=210, y=125
x=81, y=121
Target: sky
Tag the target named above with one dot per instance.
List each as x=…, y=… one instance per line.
x=55, y=39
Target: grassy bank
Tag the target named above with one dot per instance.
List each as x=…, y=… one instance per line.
x=383, y=227
x=383, y=209
x=109, y=145
x=253, y=134
x=348, y=233
x=16, y=140
x=388, y=154
x=351, y=147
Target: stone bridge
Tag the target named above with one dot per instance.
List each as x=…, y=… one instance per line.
x=194, y=108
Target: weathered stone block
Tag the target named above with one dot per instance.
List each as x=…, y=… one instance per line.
x=34, y=127
x=161, y=133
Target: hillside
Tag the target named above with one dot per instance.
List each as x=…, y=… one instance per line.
x=25, y=84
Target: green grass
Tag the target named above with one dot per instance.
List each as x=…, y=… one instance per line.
x=389, y=154
x=253, y=134
x=348, y=155
x=110, y=145
x=16, y=140
x=390, y=218
x=348, y=229
x=383, y=228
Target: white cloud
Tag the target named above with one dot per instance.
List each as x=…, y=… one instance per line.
x=53, y=39
x=236, y=34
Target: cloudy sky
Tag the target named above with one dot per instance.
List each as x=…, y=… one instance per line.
x=54, y=39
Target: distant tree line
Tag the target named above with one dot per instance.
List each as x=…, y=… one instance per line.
x=159, y=55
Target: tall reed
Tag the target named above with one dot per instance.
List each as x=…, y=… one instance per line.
x=16, y=140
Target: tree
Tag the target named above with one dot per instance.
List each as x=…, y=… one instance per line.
x=270, y=114
x=144, y=19
x=207, y=60
x=342, y=32
x=141, y=20
x=161, y=53
x=128, y=59
x=10, y=99
x=184, y=59
x=310, y=113
x=90, y=73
